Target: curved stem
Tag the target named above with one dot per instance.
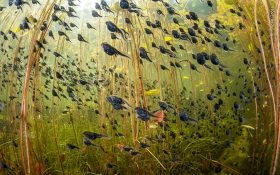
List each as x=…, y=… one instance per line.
x=277, y=56
x=276, y=146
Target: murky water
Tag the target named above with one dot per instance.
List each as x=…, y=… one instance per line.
x=138, y=87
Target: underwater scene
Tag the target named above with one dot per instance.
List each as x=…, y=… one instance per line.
x=139, y=87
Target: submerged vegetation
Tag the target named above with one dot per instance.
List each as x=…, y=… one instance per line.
x=139, y=87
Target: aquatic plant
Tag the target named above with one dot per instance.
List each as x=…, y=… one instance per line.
x=144, y=87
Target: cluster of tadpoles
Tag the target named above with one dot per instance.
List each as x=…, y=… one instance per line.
x=118, y=103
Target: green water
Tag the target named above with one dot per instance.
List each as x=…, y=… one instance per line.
x=219, y=116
